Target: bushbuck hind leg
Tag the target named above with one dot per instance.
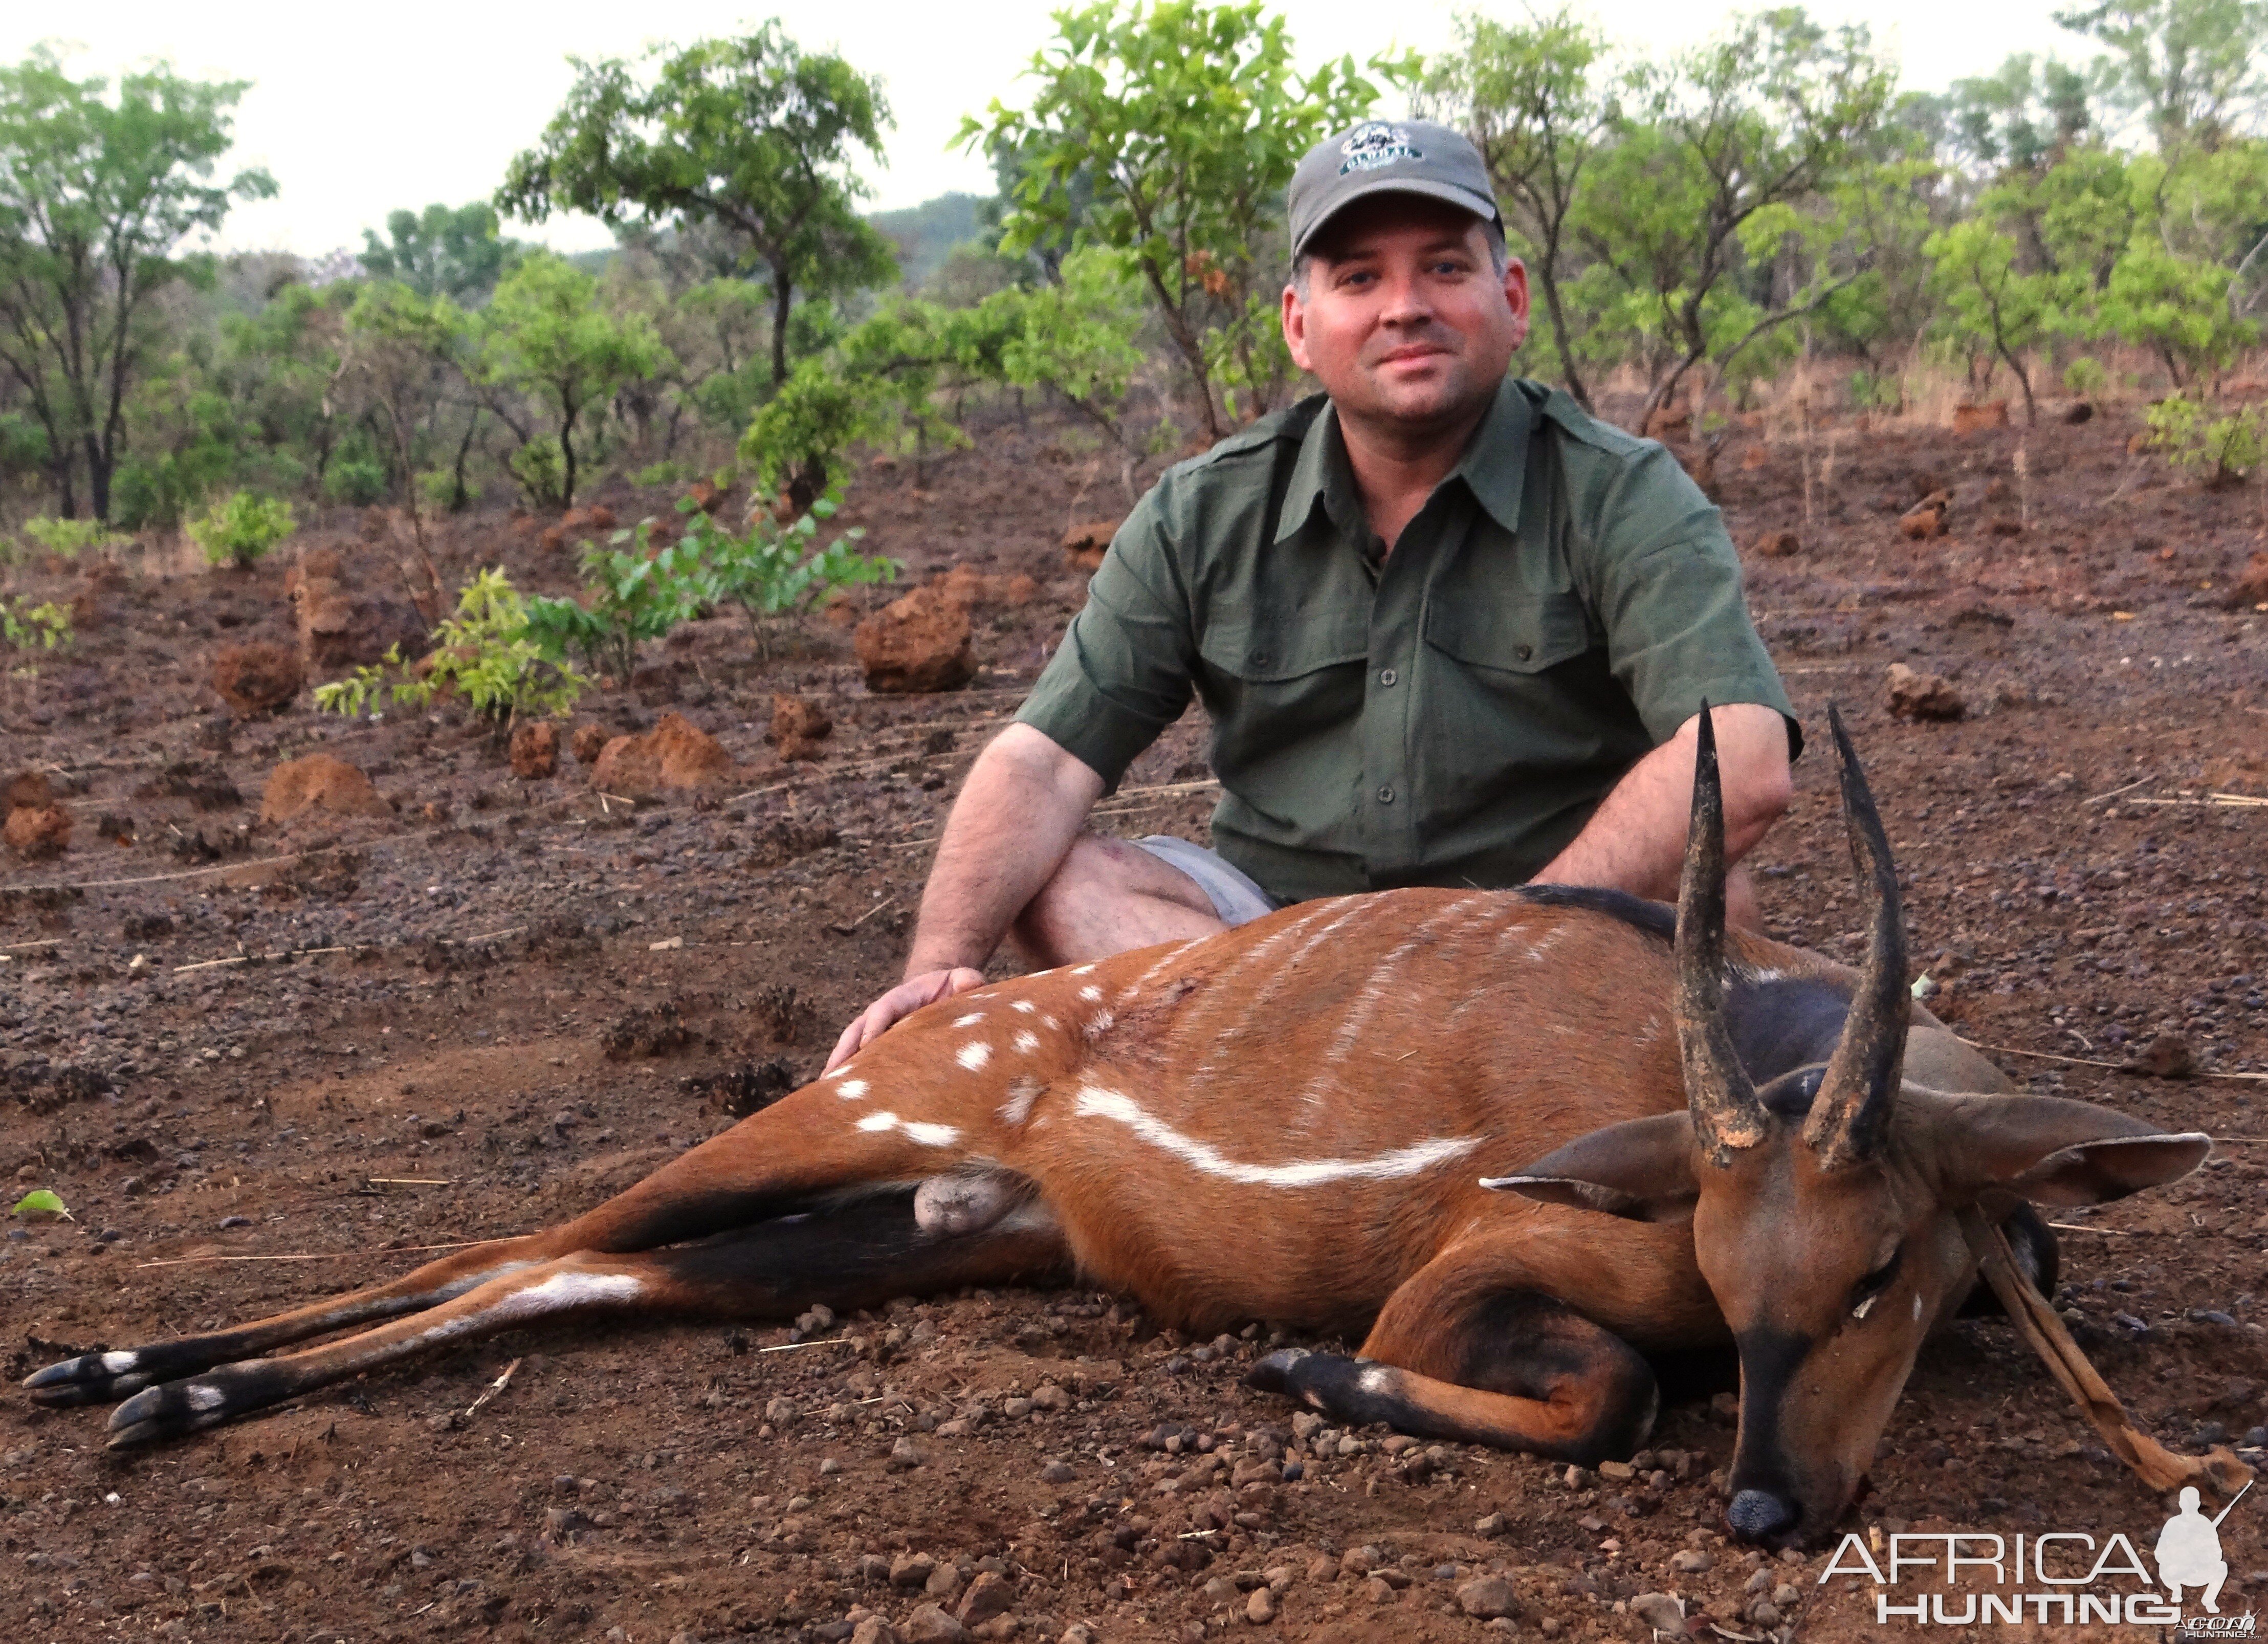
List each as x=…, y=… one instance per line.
x=851, y=1256
x=1509, y=1366
x=782, y=1160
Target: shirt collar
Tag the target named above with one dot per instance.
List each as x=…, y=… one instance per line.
x=1493, y=467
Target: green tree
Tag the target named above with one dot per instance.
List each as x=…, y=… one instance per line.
x=1990, y=304
x=545, y=334
x=459, y=254
x=2186, y=69
x=1536, y=103
x=1721, y=160
x=753, y=136
x=401, y=346
x=2021, y=116
x=98, y=191
x=1185, y=121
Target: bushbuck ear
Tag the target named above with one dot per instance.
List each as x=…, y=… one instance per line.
x=2056, y=1152
x=1641, y=1171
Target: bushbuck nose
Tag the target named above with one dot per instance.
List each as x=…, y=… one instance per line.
x=1759, y=1514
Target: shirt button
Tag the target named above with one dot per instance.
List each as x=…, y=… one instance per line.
x=1523, y=651
x=1386, y=795
x=1387, y=676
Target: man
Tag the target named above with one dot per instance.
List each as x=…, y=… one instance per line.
x=1449, y=629
x=2189, y=1553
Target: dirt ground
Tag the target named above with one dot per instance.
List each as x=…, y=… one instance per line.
x=260, y=1063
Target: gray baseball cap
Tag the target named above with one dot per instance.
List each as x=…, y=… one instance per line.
x=1387, y=157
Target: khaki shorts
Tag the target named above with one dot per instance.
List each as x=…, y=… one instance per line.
x=1236, y=898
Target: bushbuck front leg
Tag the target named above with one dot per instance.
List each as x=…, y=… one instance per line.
x=1490, y=1363
x=854, y=1256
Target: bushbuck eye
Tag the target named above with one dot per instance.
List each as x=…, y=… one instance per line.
x=1863, y=1293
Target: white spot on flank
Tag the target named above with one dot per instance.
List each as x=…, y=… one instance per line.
x=1025, y=1041
x=1917, y=1310
x=1022, y=1092
x=1050, y=1023
x=1024, y=1005
x=972, y=1055
x=970, y=1020
x=116, y=1362
x=1090, y=992
x=1093, y=1102
x=1375, y=1381
x=1082, y=970
x=851, y=1090
x=204, y=1398
x=1099, y=1024
x=914, y=1130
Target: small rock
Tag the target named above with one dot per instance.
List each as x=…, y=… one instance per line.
x=1049, y=1396
x=989, y=1596
x=675, y=754
x=38, y=833
x=1057, y=1473
x=1488, y=1598
x=874, y=1629
x=1778, y=545
x=1259, y=1609
x=911, y=1569
x=930, y=1625
x=1660, y=1611
x=905, y=1456
x=2166, y=1056
x=1691, y=1561
x=1972, y=417
x=257, y=677
x=919, y=644
x=2251, y=588
x=536, y=749
x=798, y=726
x=1085, y=545
x=1621, y=1472
x=1916, y=696
x=1926, y=518
x=1078, y=1632
x=1492, y=1526
x=588, y=740
x=319, y=783
x=943, y=1583
x=1015, y=1409
x=1765, y=1613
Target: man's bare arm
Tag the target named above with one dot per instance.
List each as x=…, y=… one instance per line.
x=1021, y=806
x=1635, y=841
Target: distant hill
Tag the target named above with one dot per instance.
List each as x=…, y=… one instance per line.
x=924, y=234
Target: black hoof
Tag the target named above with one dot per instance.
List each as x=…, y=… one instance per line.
x=92, y=1378
x=1273, y=1373
x=188, y=1406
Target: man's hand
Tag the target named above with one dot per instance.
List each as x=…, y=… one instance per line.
x=900, y=1002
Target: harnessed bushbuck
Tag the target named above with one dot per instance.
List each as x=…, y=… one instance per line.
x=1292, y=1122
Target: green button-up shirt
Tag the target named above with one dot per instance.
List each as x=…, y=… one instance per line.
x=1451, y=715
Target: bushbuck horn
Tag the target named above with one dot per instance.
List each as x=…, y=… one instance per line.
x=1852, y=1109
x=1726, y=1115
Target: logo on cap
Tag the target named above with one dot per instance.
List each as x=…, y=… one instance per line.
x=1375, y=144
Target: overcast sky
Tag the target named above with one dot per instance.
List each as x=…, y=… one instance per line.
x=359, y=109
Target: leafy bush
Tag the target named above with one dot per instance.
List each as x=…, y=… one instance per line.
x=633, y=595
x=358, y=480
x=241, y=528
x=2223, y=450
x=542, y=472
x=70, y=538
x=483, y=653
x=44, y=627
x=2085, y=375
x=771, y=571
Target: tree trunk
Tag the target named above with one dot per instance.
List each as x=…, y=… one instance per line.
x=781, y=296
x=567, y=459
x=1548, y=278
x=459, y=497
x=97, y=479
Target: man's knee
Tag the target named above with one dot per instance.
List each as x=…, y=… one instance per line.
x=1110, y=892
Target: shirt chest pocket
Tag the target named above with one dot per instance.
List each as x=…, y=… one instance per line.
x=1298, y=672
x=1516, y=639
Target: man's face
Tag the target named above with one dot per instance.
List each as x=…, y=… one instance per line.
x=1405, y=321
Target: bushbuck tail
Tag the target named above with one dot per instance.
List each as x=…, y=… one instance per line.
x=1516, y=1140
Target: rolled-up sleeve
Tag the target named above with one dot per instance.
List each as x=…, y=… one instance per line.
x=1124, y=671
x=1667, y=585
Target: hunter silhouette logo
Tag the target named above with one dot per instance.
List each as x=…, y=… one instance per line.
x=1376, y=142
x=2189, y=1549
